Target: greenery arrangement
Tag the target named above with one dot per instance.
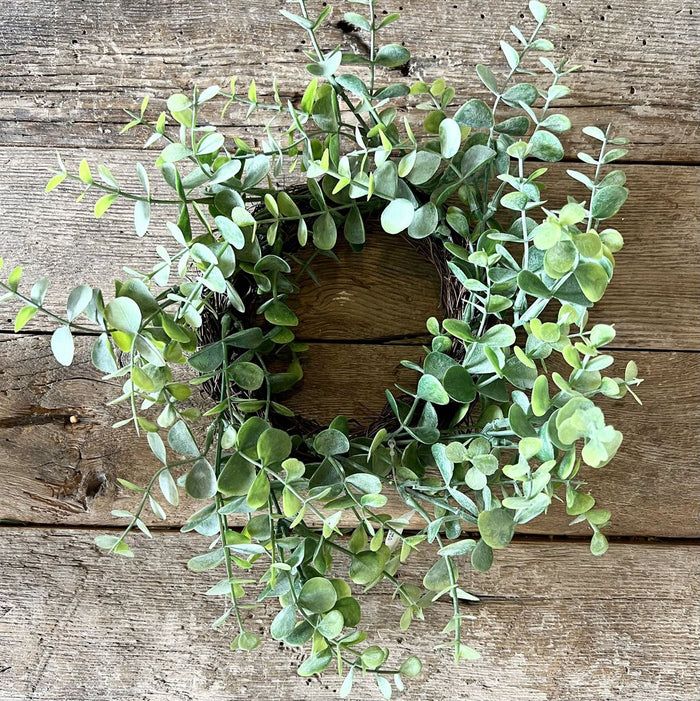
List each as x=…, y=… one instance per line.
x=490, y=436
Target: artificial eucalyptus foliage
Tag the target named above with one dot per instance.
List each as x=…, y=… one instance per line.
x=491, y=434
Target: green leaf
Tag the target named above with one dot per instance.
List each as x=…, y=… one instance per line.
x=437, y=578
x=207, y=359
x=102, y=355
x=357, y=20
x=529, y=283
x=280, y=314
x=331, y=442
x=246, y=641
x=557, y=123
x=540, y=396
x=450, y=137
x=283, y=623
x=249, y=376
x=560, y=259
x=431, y=390
x=460, y=547
x=608, y=200
x=23, y=317
x=354, y=227
x=259, y=491
x=426, y=165
x=595, y=133
x=62, y=345
x=237, y=476
x=392, y=56
x=315, y=664
x=104, y=203
x=78, y=300
x=425, y=221
x=367, y=566
x=207, y=561
x=539, y=10
x=200, y=482
x=175, y=152
x=496, y=527
x=106, y=542
x=517, y=201
x=515, y=126
x=592, y=279
x=545, y=146
x=325, y=232
x=475, y=114
x=443, y=462
x=366, y=483
x=578, y=502
x=55, y=181
x=499, y=336
x=411, y=667
x=142, y=217
x=247, y=338
x=230, y=231
x=182, y=441
x=167, y=485
x=256, y=169
x=459, y=329
x=274, y=445
x=487, y=77
x=599, y=544
x=124, y=314
x=546, y=235
x=458, y=383
x=511, y=55
x=331, y=625
x=475, y=157
x=397, y=216
x=318, y=595
x=521, y=92
x=482, y=557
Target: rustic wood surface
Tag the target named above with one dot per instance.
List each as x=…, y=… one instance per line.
x=79, y=64
x=554, y=623
x=60, y=472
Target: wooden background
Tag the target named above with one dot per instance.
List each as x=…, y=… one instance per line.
x=554, y=623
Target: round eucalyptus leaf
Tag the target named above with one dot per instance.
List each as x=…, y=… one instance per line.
x=318, y=595
x=431, y=389
x=397, y=216
x=201, y=480
x=496, y=527
x=124, y=314
x=331, y=442
x=274, y=445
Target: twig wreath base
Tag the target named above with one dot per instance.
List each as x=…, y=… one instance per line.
x=489, y=438
x=453, y=301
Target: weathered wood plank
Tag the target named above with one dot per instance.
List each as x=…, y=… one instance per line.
x=78, y=66
x=654, y=271
x=60, y=472
x=554, y=624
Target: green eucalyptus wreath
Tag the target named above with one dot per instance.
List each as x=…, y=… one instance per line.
x=489, y=437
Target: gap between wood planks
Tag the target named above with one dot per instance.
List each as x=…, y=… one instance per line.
x=518, y=538
x=419, y=340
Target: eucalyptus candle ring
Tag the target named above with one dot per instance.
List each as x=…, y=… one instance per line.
x=505, y=414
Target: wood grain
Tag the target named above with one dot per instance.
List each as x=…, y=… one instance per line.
x=656, y=270
x=60, y=472
x=71, y=68
x=554, y=624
